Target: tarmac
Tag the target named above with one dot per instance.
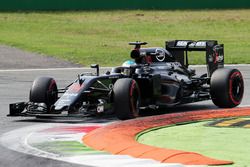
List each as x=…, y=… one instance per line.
x=13, y=58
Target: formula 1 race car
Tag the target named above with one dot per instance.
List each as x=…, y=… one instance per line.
x=154, y=78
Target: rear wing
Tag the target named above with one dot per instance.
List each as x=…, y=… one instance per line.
x=214, y=52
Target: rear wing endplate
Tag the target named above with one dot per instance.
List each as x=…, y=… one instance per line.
x=214, y=52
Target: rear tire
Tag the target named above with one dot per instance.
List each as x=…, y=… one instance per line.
x=126, y=99
x=44, y=90
x=227, y=87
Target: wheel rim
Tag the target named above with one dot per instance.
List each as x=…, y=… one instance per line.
x=236, y=87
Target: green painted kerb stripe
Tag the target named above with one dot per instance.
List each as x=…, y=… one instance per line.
x=66, y=148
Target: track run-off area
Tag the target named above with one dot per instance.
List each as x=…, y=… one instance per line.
x=63, y=141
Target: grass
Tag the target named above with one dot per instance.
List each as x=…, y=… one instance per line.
x=221, y=143
x=102, y=36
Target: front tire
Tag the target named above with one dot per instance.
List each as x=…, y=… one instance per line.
x=44, y=90
x=227, y=87
x=126, y=99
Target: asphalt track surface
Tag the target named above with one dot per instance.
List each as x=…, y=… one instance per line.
x=14, y=86
x=16, y=79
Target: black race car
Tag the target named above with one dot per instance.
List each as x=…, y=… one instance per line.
x=154, y=78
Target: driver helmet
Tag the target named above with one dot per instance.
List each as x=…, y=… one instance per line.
x=128, y=63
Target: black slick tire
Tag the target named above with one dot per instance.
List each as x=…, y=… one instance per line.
x=44, y=90
x=126, y=99
x=227, y=87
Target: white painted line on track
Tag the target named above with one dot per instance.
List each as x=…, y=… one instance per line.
x=226, y=65
x=50, y=69
x=246, y=105
x=25, y=143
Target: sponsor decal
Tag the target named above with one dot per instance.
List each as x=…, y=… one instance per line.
x=160, y=55
x=193, y=44
x=114, y=77
x=143, y=53
x=232, y=122
x=218, y=56
x=111, y=86
x=182, y=43
x=210, y=59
